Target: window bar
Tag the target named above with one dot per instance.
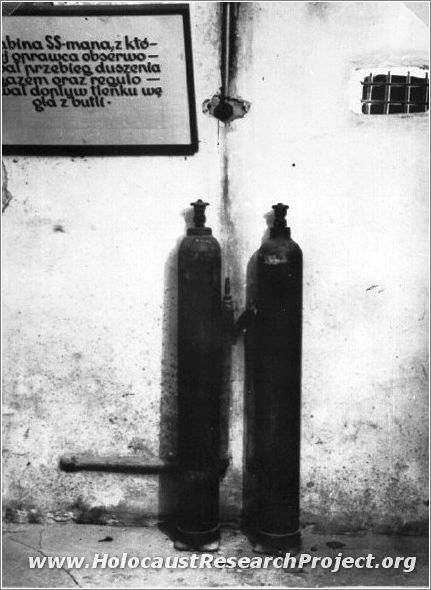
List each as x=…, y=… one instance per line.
x=387, y=94
x=426, y=91
x=407, y=95
x=369, y=94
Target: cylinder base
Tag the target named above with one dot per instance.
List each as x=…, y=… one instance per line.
x=197, y=541
x=276, y=544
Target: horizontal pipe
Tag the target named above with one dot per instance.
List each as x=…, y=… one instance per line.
x=116, y=464
x=124, y=464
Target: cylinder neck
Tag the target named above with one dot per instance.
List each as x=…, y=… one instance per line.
x=199, y=231
x=279, y=232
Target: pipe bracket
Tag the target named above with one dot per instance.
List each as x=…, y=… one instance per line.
x=225, y=109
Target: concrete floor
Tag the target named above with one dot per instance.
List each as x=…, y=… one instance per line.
x=22, y=541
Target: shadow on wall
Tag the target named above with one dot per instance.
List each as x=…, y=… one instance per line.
x=168, y=393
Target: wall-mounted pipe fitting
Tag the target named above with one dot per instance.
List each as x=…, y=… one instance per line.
x=222, y=105
x=225, y=109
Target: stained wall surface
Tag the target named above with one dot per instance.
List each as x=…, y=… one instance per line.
x=89, y=277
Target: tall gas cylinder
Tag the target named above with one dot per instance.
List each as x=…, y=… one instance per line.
x=277, y=386
x=199, y=385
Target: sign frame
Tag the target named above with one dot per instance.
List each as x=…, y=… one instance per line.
x=39, y=9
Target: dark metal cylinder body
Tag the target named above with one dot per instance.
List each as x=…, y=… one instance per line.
x=199, y=387
x=277, y=382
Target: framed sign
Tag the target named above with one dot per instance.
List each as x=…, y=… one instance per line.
x=98, y=80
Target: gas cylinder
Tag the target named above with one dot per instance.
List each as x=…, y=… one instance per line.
x=199, y=386
x=277, y=387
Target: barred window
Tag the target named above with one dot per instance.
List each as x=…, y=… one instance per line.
x=385, y=94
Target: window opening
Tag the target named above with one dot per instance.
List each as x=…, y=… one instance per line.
x=385, y=94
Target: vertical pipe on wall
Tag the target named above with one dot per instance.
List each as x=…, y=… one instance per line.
x=226, y=35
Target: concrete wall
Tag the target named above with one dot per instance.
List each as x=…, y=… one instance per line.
x=89, y=254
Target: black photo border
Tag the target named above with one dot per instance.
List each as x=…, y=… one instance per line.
x=44, y=9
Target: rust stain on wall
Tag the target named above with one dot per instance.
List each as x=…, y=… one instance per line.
x=6, y=194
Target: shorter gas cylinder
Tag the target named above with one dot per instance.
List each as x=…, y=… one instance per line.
x=277, y=386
